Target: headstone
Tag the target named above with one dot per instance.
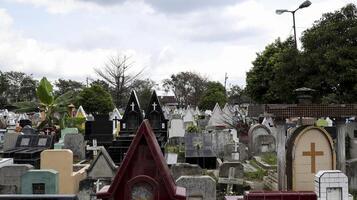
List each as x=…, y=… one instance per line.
x=102, y=167
x=64, y=132
x=198, y=187
x=39, y=182
x=352, y=174
x=224, y=170
x=217, y=119
x=185, y=169
x=70, y=175
x=10, y=141
x=177, y=128
x=260, y=139
x=188, y=119
x=171, y=158
x=100, y=129
x=198, y=150
x=228, y=114
x=75, y=142
x=10, y=178
x=309, y=150
x=143, y=173
x=331, y=184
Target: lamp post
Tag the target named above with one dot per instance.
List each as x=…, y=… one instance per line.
x=305, y=4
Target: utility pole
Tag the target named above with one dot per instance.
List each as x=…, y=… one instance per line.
x=225, y=81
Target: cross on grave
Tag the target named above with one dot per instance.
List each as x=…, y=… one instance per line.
x=47, y=131
x=132, y=106
x=116, y=122
x=154, y=105
x=236, y=146
x=94, y=148
x=313, y=153
x=230, y=181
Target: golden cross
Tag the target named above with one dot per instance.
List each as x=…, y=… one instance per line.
x=313, y=155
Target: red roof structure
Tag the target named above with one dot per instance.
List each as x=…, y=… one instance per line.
x=144, y=173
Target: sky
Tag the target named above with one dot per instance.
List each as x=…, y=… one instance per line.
x=68, y=39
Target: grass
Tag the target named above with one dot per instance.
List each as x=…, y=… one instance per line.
x=270, y=158
x=257, y=175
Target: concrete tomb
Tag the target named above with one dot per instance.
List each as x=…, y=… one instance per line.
x=177, y=128
x=185, y=169
x=10, y=140
x=39, y=182
x=6, y=161
x=115, y=116
x=10, y=178
x=198, y=187
x=143, y=173
x=70, y=175
x=198, y=150
x=309, y=150
x=331, y=184
x=261, y=140
x=64, y=132
x=102, y=167
x=75, y=142
x=217, y=119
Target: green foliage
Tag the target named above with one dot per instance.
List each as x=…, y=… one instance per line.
x=188, y=87
x=327, y=63
x=44, y=92
x=72, y=122
x=270, y=158
x=95, y=100
x=64, y=86
x=215, y=93
x=193, y=129
x=257, y=175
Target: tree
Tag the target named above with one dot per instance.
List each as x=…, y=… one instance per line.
x=187, y=87
x=330, y=49
x=237, y=95
x=117, y=74
x=215, y=93
x=64, y=86
x=103, y=84
x=18, y=87
x=143, y=89
x=273, y=76
x=95, y=100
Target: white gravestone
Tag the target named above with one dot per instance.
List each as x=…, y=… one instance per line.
x=331, y=184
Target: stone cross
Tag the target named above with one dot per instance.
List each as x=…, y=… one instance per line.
x=313, y=153
x=236, y=146
x=154, y=105
x=47, y=131
x=94, y=148
x=132, y=106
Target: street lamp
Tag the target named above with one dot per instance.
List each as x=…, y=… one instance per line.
x=305, y=4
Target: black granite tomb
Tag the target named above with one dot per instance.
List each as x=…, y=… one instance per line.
x=28, y=149
x=198, y=150
x=100, y=129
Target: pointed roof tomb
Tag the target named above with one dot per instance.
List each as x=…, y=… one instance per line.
x=102, y=166
x=144, y=173
x=115, y=115
x=81, y=113
x=216, y=119
x=132, y=117
x=155, y=113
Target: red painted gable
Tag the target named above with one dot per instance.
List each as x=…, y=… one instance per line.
x=143, y=164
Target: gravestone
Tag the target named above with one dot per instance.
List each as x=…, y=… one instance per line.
x=28, y=130
x=143, y=173
x=10, y=141
x=198, y=150
x=69, y=175
x=331, y=184
x=39, y=182
x=115, y=116
x=219, y=138
x=260, y=139
x=224, y=169
x=185, y=169
x=10, y=178
x=217, y=118
x=75, y=142
x=198, y=187
x=100, y=129
x=228, y=114
x=102, y=167
x=309, y=150
x=264, y=144
x=188, y=119
x=64, y=132
x=352, y=174
x=177, y=128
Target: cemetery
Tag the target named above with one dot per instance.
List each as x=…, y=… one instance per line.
x=174, y=130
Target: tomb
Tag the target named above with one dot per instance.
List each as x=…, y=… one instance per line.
x=39, y=182
x=177, y=128
x=69, y=175
x=28, y=149
x=75, y=142
x=6, y=161
x=230, y=175
x=331, y=184
x=260, y=140
x=143, y=173
x=64, y=132
x=10, y=178
x=198, y=187
x=102, y=167
x=217, y=119
x=185, y=169
x=115, y=116
x=256, y=195
x=198, y=150
x=10, y=141
x=309, y=150
x=28, y=130
x=100, y=129
x=188, y=119
x=131, y=120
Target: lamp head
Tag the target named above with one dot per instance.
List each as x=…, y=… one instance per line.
x=306, y=4
x=279, y=12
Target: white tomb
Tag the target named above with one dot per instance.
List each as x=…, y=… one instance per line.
x=188, y=118
x=6, y=161
x=115, y=116
x=81, y=113
x=177, y=128
x=331, y=184
x=216, y=119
